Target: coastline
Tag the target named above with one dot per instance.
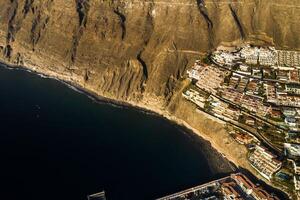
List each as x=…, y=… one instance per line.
x=235, y=163
x=145, y=109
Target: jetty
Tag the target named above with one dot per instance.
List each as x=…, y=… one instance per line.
x=234, y=186
x=97, y=196
x=206, y=191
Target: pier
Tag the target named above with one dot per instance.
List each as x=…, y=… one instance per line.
x=235, y=186
x=97, y=196
x=207, y=190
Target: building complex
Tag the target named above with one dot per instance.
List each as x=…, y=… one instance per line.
x=256, y=91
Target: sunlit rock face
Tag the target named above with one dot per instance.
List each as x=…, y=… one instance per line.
x=136, y=50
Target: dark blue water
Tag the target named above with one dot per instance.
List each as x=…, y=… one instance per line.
x=58, y=144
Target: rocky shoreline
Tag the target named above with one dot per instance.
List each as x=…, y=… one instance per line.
x=145, y=108
x=184, y=127
x=235, y=162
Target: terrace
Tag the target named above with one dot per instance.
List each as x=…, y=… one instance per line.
x=195, y=97
x=264, y=162
x=210, y=79
x=250, y=102
x=288, y=58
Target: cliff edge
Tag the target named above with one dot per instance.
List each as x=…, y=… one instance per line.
x=133, y=49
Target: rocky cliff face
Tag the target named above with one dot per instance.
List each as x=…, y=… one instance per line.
x=136, y=50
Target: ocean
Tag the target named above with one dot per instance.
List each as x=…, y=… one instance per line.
x=59, y=144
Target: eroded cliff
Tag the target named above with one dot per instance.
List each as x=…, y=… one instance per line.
x=136, y=49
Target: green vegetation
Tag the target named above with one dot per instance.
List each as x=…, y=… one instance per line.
x=261, y=90
x=284, y=178
x=235, y=67
x=207, y=60
x=242, y=119
x=276, y=119
x=227, y=80
x=273, y=75
x=265, y=127
x=207, y=106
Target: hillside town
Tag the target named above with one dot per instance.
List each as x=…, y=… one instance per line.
x=256, y=92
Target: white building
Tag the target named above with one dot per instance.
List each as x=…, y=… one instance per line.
x=264, y=162
x=194, y=73
x=292, y=149
x=296, y=168
x=297, y=182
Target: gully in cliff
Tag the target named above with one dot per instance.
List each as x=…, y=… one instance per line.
x=243, y=96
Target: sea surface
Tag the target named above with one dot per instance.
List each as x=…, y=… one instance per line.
x=58, y=144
